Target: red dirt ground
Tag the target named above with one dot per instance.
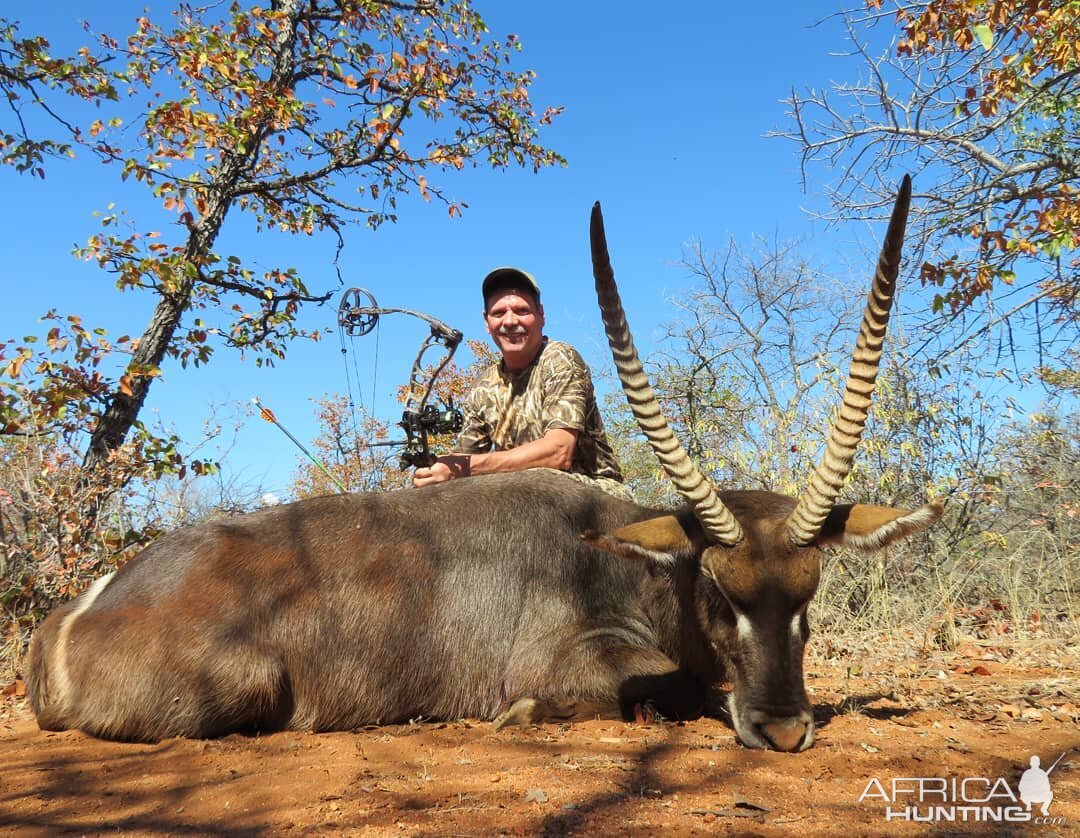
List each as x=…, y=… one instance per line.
x=965, y=719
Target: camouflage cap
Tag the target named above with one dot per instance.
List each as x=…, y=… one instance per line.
x=507, y=277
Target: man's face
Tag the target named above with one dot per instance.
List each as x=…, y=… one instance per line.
x=515, y=321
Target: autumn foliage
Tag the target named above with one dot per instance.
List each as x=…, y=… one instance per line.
x=1029, y=80
x=305, y=116
x=978, y=101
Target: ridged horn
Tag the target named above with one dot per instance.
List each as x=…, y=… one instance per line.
x=814, y=504
x=716, y=518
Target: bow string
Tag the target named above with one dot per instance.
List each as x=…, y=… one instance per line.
x=358, y=314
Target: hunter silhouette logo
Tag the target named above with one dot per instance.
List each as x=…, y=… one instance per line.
x=1035, y=785
x=968, y=799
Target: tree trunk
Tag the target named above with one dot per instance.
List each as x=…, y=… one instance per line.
x=123, y=411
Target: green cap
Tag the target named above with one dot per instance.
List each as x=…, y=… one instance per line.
x=506, y=277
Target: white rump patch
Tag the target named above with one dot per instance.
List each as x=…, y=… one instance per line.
x=895, y=530
x=60, y=678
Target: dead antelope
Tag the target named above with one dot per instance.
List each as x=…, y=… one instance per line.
x=475, y=598
x=758, y=552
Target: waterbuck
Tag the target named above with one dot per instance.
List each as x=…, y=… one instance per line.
x=517, y=598
x=759, y=553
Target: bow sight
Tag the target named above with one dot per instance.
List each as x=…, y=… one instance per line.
x=358, y=314
x=429, y=420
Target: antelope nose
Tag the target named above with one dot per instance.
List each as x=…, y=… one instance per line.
x=785, y=734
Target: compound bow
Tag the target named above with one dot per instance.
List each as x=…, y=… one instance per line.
x=358, y=313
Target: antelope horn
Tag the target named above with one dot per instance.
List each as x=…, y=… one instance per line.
x=814, y=504
x=716, y=518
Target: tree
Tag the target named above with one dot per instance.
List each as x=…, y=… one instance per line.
x=346, y=451
x=308, y=115
x=753, y=375
x=980, y=101
x=27, y=71
x=931, y=436
x=750, y=376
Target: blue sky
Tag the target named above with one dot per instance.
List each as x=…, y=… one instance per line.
x=664, y=122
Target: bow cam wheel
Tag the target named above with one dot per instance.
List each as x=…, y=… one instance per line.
x=358, y=312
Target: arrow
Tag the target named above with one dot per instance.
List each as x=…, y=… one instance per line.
x=267, y=414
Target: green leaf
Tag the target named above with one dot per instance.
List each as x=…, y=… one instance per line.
x=985, y=35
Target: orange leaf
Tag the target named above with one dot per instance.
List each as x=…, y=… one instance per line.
x=15, y=365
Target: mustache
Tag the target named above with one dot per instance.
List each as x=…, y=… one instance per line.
x=513, y=330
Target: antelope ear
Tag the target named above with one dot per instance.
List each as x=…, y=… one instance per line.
x=661, y=540
x=867, y=527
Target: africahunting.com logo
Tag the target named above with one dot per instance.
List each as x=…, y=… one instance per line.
x=967, y=799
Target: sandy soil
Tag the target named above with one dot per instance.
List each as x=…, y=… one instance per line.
x=966, y=719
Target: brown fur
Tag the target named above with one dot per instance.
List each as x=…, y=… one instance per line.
x=440, y=602
x=345, y=611
x=760, y=590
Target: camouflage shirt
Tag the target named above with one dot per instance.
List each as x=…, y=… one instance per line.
x=507, y=409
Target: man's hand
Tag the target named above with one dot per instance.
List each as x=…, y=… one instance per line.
x=445, y=468
x=555, y=449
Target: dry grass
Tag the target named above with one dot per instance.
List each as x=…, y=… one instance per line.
x=936, y=631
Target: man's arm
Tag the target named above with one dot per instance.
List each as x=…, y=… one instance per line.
x=555, y=449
